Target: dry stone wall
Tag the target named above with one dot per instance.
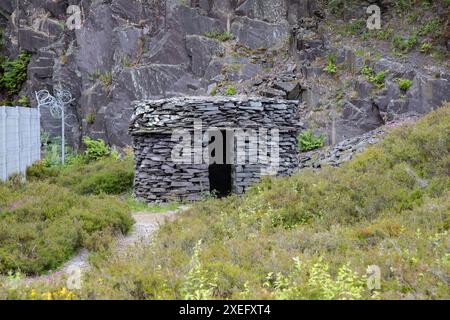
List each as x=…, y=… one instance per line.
x=159, y=178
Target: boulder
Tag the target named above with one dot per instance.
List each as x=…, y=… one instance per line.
x=266, y=10
x=292, y=89
x=41, y=65
x=358, y=117
x=272, y=93
x=95, y=48
x=202, y=50
x=41, y=34
x=256, y=34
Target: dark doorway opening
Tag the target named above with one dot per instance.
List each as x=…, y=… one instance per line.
x=220, y=174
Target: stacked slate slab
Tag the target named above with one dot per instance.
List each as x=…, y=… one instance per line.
x=159, y=179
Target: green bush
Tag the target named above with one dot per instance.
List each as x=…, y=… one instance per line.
x=97, y=171
x=376, y=79
x=108, y=175
x=426, y=47
x=14, y=73
x=52, y=150
x=430, y=27
x=356, y=27
x=404, y=45
x=96, y=149
x=23, y=101
x=43, y=225
x=308, y=141
x=41, y=171
x=404, y=84
x=382, y=34
x=336, y=6
x=331, y=67
x=231, y=91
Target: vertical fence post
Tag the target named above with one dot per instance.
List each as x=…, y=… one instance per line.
x=18, y=147
x=3, y=174
x=30, y=138
x=63, y=142
x=19, y=140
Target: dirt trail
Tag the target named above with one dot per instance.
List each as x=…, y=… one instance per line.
x=146, y=225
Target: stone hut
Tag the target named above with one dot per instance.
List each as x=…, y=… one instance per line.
x=186, y=148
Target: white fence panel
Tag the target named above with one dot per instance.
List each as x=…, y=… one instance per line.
x=19, y=140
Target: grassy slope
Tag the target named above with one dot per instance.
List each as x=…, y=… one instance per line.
x=389, y=207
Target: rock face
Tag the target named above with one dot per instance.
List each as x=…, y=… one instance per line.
x=129, y=50
x=260, y=133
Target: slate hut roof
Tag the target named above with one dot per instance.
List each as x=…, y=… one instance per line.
x=163, y=116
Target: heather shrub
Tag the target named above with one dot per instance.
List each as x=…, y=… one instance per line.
x=108, y=175
x=96, y=149
x=43, y=225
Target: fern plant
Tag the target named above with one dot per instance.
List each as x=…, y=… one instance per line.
x=331, y=67
x=308, y=141
x=96, y=149
x=404, y=84
x=231, y=91
x=376, y=79
x=14, y=73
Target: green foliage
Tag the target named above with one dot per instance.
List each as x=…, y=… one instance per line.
x=41, y=170
x=107, y=175
x=96, y=149
x=106, y=79
x=331, y=67
x=376, y=79
x=90, y=118
x=199, y=284
x=14, y=73
x=430, y=27
x=404, y=84
x=307, y=141
x=317, y=283
x=403, y=6
x=43, y=225
x=367, y=71
x=98, y=171
x=214, y=91
x=336, y=6
x=52, y=150
x=218, y=35
x=137, y=205
x=231, y=91
x=404, y=45
x=24, y=101
x=426, y=47
x=382, y=34
x=356, y=27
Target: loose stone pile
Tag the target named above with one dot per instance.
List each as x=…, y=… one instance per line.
x=344, y=151
x=159, y=178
